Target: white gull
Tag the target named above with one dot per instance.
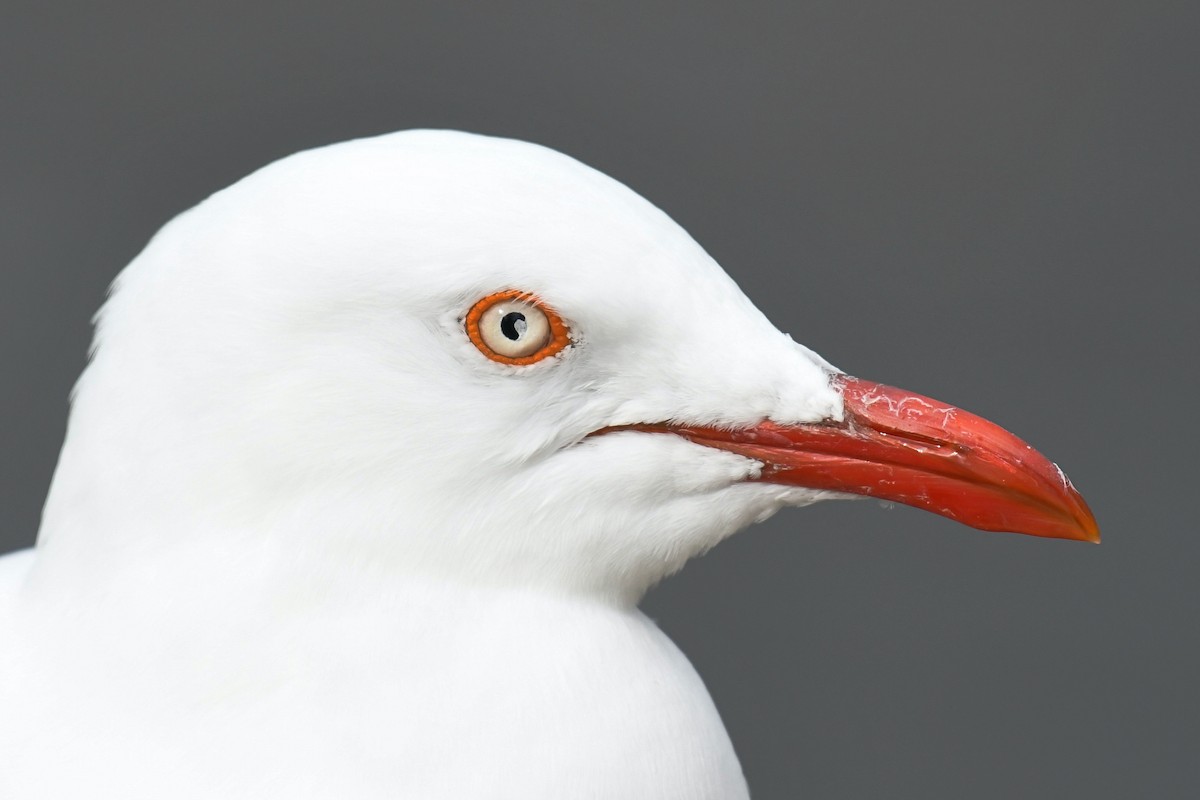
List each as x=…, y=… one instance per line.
x=377, y=452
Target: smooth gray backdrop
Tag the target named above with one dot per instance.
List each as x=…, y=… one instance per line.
x=994, y=203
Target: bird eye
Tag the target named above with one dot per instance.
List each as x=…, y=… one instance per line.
x=513, y=327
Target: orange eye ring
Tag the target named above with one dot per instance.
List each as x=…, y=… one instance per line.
x=514, y=327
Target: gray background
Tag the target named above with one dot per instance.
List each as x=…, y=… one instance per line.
x=994, y=203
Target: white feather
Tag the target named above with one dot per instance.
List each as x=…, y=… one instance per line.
x=305, y=541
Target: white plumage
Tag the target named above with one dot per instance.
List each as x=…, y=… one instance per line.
x=306, y=540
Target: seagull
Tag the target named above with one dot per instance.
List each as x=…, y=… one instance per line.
x=375, y=455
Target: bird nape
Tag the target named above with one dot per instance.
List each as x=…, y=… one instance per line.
x=379, y=449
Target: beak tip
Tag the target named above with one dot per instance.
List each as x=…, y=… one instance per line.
x=1084, y=527
x=1089, y=529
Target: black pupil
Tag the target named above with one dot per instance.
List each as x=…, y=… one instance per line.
x=513, y=325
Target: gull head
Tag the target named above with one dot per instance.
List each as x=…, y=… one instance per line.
x=467, y=358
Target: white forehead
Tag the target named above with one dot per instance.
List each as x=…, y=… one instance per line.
x=421, y=224
x=438, y=209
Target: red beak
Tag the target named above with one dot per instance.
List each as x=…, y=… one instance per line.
x=899, y=446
